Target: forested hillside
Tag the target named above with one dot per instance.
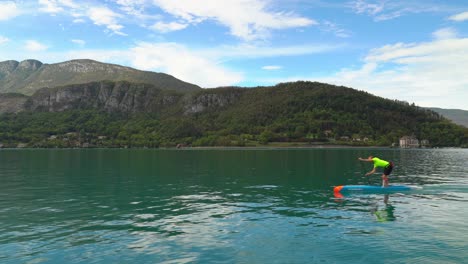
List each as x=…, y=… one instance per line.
x=135, y=115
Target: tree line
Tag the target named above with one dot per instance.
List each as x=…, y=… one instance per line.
x=300, y=112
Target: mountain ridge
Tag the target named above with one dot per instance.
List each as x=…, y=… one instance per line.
x=28, y=76
x=458, y=116
x=121, y=104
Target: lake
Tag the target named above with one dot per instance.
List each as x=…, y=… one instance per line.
x=230, y=206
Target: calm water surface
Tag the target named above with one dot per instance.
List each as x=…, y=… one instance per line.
x=230, y=206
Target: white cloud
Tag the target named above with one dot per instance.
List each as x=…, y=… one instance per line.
x=246, y=19
x=3, y=40
x=445, y=33
x=272, y=67
x=103, y=16
x=78, y=20
x=33, y=45
x=132, y=7
x=55, y=6
x=79, y=42
x=203, y=67
x=183, y=63
x=328, y=26
x=430, y=74
x=247, y=51
x=362, y=6
x=381, y=10
x=168, y=27
x=8, y=10
x=68, y=3
x=50, y=6
x=460, y=17
x=78, y=17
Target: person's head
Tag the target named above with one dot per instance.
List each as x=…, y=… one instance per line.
x=370, y=157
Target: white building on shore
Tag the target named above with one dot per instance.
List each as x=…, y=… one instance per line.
x=409, y=142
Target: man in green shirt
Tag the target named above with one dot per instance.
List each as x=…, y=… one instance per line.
x=379, y=163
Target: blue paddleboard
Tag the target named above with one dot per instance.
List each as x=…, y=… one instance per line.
x=371, y=188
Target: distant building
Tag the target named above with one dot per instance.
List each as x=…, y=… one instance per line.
x=409, y=142
x=424, y=143
x=328, y=132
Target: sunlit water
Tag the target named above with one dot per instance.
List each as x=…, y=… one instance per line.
x=230, y=206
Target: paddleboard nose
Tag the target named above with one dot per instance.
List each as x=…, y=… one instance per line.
x=338, y=188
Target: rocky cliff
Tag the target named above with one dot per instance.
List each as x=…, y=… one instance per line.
x=12, y=103
x=119, y=97
x=211, y=99
x=109, y=96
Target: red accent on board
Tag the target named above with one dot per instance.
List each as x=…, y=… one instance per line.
x=338, y=188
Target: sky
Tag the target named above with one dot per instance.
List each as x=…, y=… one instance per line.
x=408, y=50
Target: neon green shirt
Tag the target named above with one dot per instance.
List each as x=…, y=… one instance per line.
x=379, y=163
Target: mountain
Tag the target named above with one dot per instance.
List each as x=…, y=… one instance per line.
x=456, y=115
x=12, y=103
x=116, y=114
x=109, y=96
x=28, y=76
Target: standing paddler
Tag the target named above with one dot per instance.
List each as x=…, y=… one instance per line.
x=379, y=163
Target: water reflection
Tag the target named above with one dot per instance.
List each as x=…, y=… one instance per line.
x=386, y=213
x=359, y=201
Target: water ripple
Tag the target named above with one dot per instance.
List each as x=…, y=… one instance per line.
x=265, y=207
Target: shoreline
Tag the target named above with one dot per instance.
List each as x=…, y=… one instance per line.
x=265, y=147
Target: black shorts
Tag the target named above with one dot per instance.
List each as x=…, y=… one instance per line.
x=388, y=169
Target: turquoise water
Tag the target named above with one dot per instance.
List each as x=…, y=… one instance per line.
x=230, y=206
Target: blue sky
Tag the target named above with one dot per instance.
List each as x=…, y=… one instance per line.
x=411, y=50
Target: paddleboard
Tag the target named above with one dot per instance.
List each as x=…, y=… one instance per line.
x=371, y=188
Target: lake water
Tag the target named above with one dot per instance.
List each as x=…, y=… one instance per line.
x=230, y=206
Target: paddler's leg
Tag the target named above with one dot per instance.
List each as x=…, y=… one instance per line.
x=384, y=180
x=385, y=174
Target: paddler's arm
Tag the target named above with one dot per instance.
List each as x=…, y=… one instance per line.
x=361, y=159
x=371, y=172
